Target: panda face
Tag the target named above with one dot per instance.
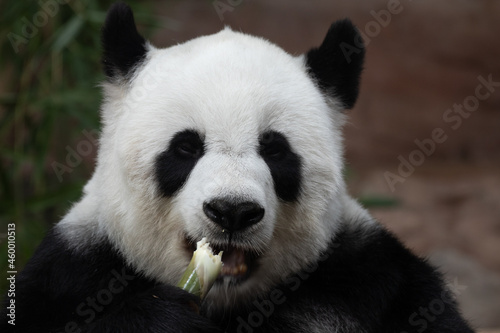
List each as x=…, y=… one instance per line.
x=226, y=137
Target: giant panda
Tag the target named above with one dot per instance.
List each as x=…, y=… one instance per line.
x=226, y=137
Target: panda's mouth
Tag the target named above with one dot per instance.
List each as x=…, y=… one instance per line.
x=237, y=262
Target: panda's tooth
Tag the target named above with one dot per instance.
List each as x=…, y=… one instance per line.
x=235, y=265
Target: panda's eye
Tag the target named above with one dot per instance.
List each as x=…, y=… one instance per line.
x=273, y=146
x=273, y=151
x=188, y=144
x=187, y=149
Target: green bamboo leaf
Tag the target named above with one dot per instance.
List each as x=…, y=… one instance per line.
x=67, y=33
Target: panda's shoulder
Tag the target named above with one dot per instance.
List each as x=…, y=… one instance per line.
x=369, y=258
x=368, y=274
x=63, y=277
x=55, y=256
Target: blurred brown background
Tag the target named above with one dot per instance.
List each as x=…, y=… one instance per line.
x=428, y=65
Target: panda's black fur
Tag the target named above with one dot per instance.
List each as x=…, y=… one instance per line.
x=365, y=280
x=63, y=291
x=371, y=280
x=123, y=46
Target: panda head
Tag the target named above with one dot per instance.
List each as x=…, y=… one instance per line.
x=227, y=137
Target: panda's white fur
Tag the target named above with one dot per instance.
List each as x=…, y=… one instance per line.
x=337, y=269
x=200, y=85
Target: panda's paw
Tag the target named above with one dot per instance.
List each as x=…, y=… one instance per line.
x=172, y=309
x=160, y=309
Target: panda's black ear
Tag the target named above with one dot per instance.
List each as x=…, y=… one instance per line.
x=123, y=47
x=337, y=64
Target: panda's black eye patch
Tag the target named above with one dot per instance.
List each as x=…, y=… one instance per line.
x=285, y=165
x=273, y=145
x=187, y=144
x=173, y=166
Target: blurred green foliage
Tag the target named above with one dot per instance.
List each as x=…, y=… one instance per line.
x=49, y=95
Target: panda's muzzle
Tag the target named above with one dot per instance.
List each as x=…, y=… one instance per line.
x=231, y=221
x=234, y=217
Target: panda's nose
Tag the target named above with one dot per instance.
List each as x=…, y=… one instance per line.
x=233, y=216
